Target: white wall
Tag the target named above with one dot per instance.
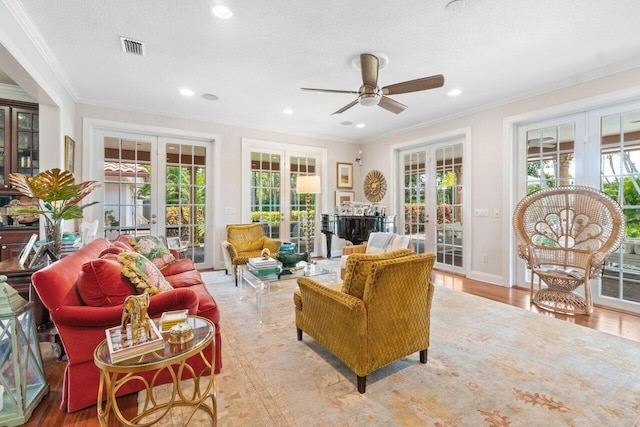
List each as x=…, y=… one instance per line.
x=490, y=182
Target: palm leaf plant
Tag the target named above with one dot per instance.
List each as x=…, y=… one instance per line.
x=59, y=198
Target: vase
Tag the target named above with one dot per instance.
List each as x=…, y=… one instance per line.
x=53, y=233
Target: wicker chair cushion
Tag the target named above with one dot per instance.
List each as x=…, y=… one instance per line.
x=359, y=268
x=244, y=238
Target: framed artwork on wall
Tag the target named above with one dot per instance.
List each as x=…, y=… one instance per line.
x=344, y=175
x=344, y=196
x=69, y=153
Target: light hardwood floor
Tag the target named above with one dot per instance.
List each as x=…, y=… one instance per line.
x=614, y=322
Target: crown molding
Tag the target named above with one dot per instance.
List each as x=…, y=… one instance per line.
x=15, y=93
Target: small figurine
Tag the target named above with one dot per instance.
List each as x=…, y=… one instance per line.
x=135, y=309
x=266, y=253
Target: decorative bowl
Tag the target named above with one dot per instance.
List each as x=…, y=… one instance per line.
x=290, y=260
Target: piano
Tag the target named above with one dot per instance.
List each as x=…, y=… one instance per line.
x=355, y=229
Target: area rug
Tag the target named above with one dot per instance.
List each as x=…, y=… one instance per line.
x=490, y=364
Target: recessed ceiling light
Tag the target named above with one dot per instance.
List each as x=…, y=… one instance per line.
x=186, y=92
x=454, y=92
x=209, y=97
x=360, y=125
x=222, y=11
x=287, y=111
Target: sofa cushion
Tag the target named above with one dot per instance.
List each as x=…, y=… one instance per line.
x=180, y=266
x=359, y=267
x=143, y=273
x=101, y=283
x=247, y=245
x=115, y=248
x=379, y=242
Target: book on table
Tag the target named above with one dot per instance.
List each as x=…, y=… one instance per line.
x=259, y=263
x=172, y=318
x=121, y=345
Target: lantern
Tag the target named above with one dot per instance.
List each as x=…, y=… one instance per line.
x=22, y=378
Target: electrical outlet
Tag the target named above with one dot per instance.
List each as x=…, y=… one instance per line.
x=481, y=212
x=485, y=258
x=496, y=213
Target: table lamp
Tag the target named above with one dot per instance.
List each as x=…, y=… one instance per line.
x=22, y=378
x=308, y=185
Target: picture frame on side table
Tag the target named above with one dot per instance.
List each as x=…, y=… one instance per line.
x=69, y=153
x=173, y=243
x=344, y=175
x=26, y=251
x=40, y=252
x=344, y=196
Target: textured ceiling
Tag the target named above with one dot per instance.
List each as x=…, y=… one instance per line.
x=256, y=62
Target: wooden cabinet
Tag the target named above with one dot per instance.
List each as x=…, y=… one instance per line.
x=19, y=141
x=13, y=239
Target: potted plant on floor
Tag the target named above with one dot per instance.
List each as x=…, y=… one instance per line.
x=59, y=197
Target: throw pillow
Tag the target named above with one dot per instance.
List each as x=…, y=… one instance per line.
x=359, y=268
x=101, y=283
x=144, y=275
x=379, y=242
x=154, y=249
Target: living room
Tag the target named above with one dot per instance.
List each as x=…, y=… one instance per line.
x=488, y=130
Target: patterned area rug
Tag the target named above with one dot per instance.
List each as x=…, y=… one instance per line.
x=490, y=364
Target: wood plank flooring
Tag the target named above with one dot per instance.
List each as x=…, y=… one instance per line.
x=614, y=322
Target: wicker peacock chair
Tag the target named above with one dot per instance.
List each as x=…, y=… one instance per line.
x=565, y=234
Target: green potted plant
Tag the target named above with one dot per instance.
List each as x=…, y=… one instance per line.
x=59, y=197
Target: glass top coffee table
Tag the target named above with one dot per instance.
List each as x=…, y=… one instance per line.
x=261, y=285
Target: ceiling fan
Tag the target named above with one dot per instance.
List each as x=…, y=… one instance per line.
x=371, y=94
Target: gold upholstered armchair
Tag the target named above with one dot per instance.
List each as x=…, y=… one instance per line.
x=245, y=241
x=381, y=313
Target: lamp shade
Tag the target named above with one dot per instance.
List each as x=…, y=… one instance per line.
x=308, y=184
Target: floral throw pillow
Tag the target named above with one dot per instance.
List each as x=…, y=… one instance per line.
x=144, y=275
x=153, y=249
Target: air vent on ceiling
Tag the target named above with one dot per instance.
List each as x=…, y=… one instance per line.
x=132, y=46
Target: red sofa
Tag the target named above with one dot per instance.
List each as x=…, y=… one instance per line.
x=81, y=327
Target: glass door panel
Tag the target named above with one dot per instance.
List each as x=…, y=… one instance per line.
x=620, y=179
x=298, y=214
x=27, y=137
x=414, y=166
x=128, y=188
x=550, y=157
x=265, y=190
x=185, y=198
x=5, y=138
x=449, y=189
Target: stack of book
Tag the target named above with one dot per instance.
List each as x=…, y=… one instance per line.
x=121, y=346
x=266, y=269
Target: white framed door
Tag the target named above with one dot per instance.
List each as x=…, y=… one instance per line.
x=270, y=171
x=432, y=192
x=616, y=156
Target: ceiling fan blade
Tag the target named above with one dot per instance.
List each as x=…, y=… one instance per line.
x=391, y=105
x=346, y=107
x=329, y=90
x=369, y=68
x=424, y=83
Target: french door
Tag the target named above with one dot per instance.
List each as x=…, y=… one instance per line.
x=599, y=148
x=155, y=186
x=270, y=196
x=431, y=178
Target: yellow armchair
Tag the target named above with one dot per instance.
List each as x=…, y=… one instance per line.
x=245, y=241
x=380, y=313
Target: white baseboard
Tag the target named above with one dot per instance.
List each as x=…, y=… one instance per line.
x=488, y=278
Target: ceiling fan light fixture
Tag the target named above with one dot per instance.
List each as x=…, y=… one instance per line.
x=369, y=99
x=383, y=60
